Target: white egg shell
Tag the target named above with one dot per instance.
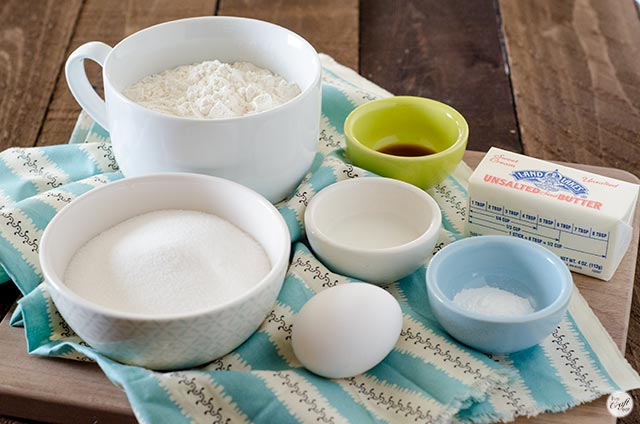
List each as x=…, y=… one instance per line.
x=346, y=330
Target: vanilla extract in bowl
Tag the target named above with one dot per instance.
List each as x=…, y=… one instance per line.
x=406, y=149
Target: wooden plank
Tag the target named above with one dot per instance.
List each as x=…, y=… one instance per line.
x=78, y=389
x=101, y=20
x=331, y=26
x=446, y=50
x=59, y=390
x=33, y=39
x=575, y=69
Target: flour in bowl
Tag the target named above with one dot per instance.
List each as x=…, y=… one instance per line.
x=167, y=262
x=212, y=90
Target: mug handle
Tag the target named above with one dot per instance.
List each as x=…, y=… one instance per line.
x=79, y=84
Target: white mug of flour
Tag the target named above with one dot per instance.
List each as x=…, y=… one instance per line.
x=266, y=150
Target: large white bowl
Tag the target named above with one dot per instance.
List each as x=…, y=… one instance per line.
x=268, y=151
x=169, y=341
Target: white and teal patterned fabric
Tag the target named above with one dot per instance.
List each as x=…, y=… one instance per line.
x=427, y=378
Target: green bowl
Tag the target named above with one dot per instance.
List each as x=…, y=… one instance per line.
x=424, y=139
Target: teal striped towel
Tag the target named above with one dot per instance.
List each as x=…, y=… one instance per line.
x=427, y=378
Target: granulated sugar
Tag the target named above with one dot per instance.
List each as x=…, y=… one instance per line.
x=492, y=301
x=167, y=262
x=212, y=90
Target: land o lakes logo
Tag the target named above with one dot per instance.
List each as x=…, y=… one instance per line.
x=550, y=181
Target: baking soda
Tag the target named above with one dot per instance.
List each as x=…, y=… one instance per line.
x=212, y=90
x=492, y=301
x=167, y=262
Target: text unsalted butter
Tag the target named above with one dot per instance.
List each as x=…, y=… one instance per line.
x=583, y=217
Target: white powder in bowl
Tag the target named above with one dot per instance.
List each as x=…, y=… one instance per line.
x=492, y=301
x=167, y=262
x=212, y=90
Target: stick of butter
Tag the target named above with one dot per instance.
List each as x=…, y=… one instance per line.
x=584, y=218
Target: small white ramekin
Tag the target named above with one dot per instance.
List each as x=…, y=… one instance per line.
x=359, y=197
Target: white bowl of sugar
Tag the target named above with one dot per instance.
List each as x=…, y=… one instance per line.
x=230, y=97
x=166, y=271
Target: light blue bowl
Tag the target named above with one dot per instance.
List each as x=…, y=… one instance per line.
x=519, y=266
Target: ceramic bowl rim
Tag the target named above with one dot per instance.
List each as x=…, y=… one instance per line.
x=563, y=277
x=53, y=280
x=286, y=105
x=311, y=226
x=363, y=109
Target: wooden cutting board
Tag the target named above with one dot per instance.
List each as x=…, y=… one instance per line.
x=57, y=390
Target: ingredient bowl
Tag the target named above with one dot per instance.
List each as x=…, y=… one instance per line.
x=375, y=229
x=169, y=340
x=268, y=151
x=518, y=266
x=424, y=140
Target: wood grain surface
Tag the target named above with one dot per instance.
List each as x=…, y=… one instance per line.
x=445, y=50
x=74, y=392
x=60, y=390
x=576, y=76
x=33, y=43
x=331, y=26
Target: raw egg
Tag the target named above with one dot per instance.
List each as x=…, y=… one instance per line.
x=346, y=330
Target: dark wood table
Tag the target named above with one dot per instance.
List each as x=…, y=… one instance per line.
x=555, y=79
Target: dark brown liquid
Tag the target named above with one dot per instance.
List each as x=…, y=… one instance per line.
x=403, y=149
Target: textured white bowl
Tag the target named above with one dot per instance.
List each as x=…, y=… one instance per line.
x=268, y=151
x=169, y=341
x=358, y=197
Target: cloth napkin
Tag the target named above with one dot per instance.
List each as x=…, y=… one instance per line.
x=427, y=378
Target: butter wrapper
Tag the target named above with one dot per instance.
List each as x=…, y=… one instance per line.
x=584, y=218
